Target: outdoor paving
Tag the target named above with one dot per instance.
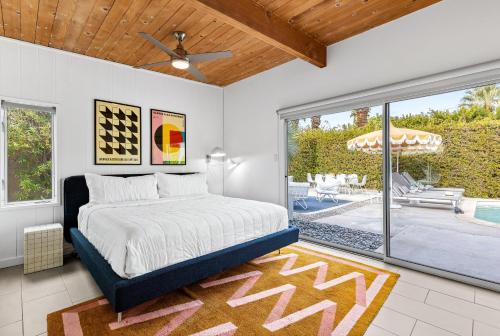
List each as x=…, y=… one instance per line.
x=433, y=237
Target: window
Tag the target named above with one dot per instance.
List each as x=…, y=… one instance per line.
x=27, y=153
x=446, y=208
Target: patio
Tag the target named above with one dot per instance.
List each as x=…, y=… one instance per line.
x=426, y=235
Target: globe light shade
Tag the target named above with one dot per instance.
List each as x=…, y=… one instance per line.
x=180, y=63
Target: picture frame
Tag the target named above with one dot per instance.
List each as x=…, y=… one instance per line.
x=117, y=133
x=168, y=140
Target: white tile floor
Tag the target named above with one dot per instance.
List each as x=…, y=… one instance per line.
x=25, y=300
x=419, y=305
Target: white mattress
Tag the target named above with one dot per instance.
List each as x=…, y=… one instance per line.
x=142, y=236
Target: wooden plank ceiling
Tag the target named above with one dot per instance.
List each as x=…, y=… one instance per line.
x=108, y=29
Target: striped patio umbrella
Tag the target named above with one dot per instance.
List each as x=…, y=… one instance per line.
x=404, y=141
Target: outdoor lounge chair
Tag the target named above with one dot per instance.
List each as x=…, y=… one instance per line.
x=299, y=191
x=407, y=187
x=324, y=191
x=419, y=185
x=402, y=193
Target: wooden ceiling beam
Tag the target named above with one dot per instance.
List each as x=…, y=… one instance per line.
x=257, y=22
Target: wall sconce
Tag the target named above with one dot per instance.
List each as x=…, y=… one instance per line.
x=216, y=153
x=234, y=162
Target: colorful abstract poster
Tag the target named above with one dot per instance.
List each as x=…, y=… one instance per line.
x=117, y=133
x=168, y=138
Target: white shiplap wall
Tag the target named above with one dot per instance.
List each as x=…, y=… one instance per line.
x=72, y=82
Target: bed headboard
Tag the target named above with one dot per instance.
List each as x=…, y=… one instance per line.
x=76, y=194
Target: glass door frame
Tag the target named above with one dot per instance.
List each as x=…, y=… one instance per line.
x=458, y=79
x=370, y=254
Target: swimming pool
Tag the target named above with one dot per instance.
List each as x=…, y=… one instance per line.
x=488, y=211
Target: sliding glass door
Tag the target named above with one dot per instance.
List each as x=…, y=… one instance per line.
x=445, y=199
x=334, y=179
x=415, y=182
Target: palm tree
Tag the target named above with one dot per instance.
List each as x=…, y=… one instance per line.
x=360, y=116
x=315, y=121
x=487, y=97
x=293, y=131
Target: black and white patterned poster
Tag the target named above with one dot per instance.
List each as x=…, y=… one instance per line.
x=117, y=134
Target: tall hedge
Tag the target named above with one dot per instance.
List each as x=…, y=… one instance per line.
x=470, y=159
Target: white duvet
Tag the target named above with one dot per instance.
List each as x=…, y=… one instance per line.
x=142, y=236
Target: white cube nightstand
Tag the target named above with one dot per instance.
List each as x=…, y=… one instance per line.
x=43, y=247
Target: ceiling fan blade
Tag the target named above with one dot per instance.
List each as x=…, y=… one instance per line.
x=152, y=64
x=196, y=58
x=158, y=44
x=193, y=70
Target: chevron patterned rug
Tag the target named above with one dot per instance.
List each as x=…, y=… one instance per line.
x=298, y=292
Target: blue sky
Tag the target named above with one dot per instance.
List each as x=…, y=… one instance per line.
x=446, y=101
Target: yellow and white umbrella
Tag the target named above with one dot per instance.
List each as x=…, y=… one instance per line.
x=404, y=141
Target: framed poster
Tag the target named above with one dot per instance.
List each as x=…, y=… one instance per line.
x=168, y=138
x=117, y=133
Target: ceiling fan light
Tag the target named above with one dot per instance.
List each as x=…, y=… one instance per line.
x=180, y=63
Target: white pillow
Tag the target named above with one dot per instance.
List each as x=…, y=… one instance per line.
x=111, y=189
x=181, y=185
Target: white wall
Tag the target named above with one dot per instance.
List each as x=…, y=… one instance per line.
x=448, y=35
x=72, y=82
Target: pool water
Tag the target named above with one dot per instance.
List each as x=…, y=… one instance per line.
x=488, y=211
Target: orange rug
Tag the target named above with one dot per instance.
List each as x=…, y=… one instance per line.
x=297, y=292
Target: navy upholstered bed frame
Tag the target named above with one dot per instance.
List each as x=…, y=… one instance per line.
x=122, y=293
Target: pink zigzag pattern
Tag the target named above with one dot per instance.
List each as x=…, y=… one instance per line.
x=72, y=325
x=275, y=319
x=185, y=311
x=252, y=277
x=226, y=329
x=351, y=318
x=320, y=281
x=71, y=319
x=328, y=307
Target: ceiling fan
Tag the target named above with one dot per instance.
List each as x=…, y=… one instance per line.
x=180, y=58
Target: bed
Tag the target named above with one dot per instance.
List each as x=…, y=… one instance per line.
x=126, y=286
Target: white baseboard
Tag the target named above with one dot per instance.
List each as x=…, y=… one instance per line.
x=19, y=260
x=11, y=262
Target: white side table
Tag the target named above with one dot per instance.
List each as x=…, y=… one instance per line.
x=43, y=247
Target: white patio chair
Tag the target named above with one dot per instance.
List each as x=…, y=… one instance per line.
x=330, y=179
x=343, y=183
x=330, y=191
x=318, y=178
x=298, y=191
x=361, y=185
x=310, y=180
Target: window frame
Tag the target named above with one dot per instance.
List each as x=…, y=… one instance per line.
x=43, y=107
